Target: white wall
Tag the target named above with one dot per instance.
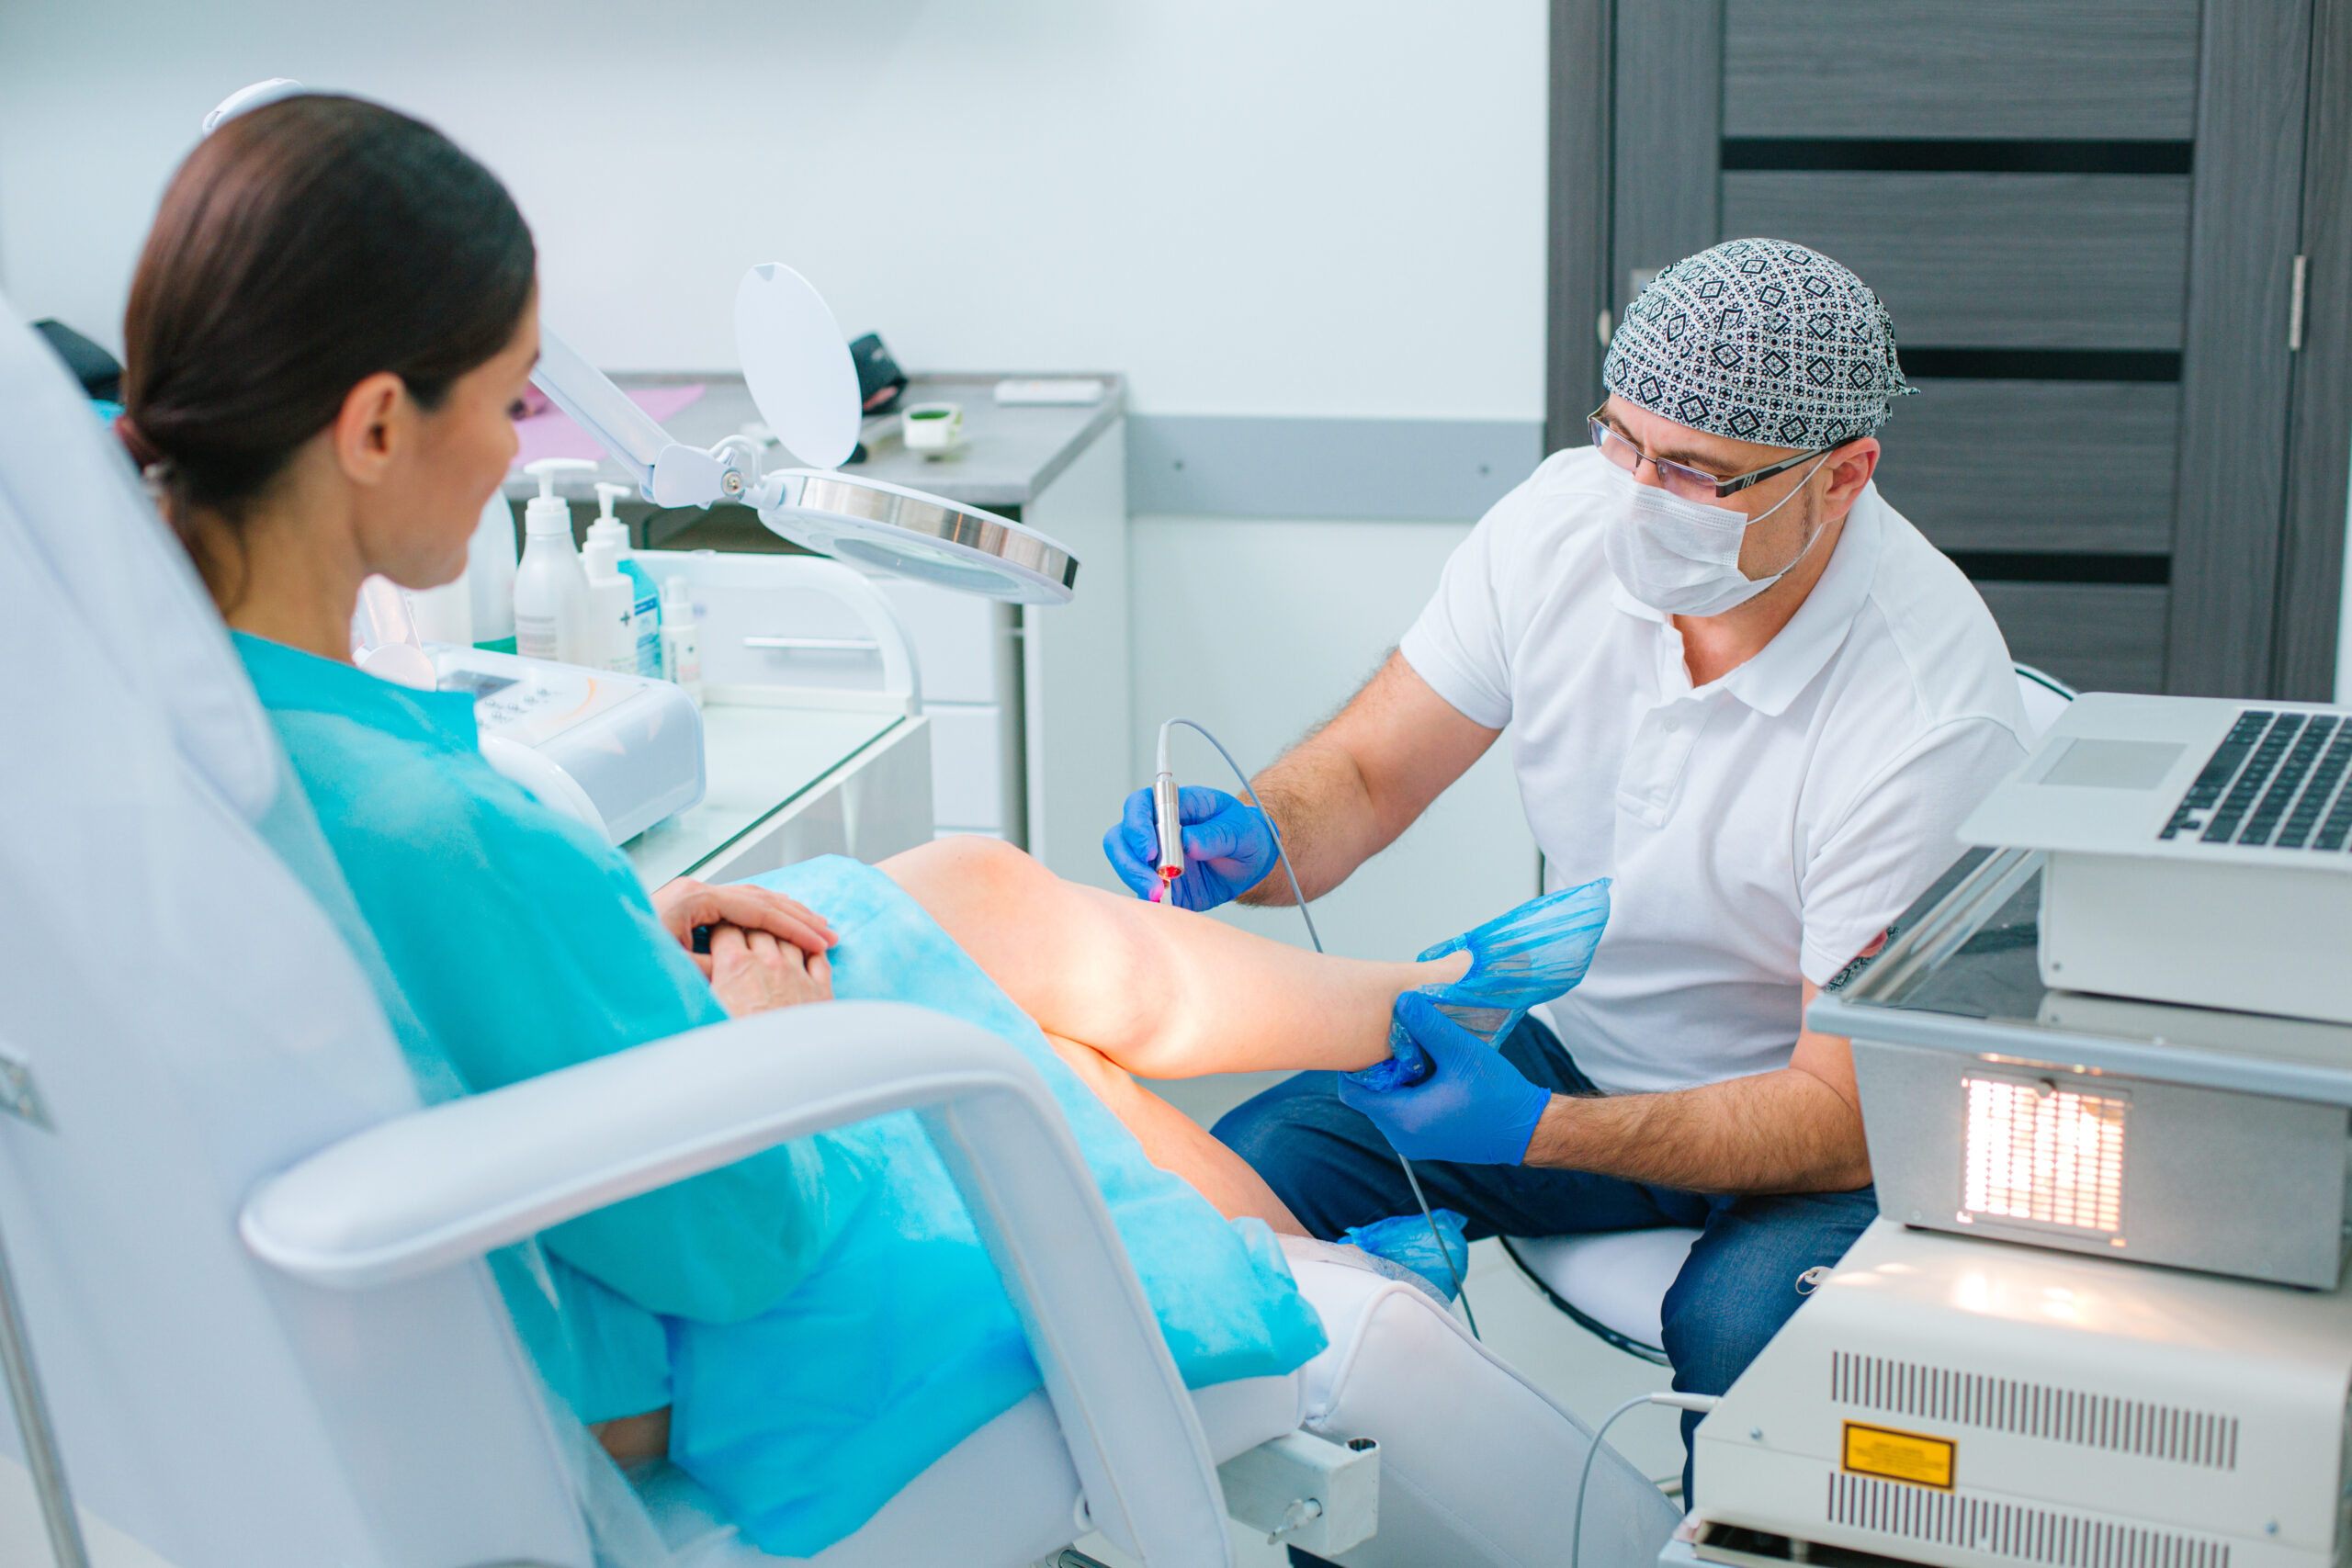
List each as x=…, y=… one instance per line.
x=1329, y=206
x=1320, y=206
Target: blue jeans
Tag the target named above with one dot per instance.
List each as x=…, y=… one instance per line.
x=1334, y=1170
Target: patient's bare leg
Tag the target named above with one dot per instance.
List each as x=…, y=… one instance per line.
x=1122, y=987
x=1157, y=990
x=1177, y=1144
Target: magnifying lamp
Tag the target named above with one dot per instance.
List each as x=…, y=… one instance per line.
x=797, y=369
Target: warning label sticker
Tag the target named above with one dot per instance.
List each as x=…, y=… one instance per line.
x=1900, y=1456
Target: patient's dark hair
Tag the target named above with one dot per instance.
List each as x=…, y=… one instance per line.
x=301, y=248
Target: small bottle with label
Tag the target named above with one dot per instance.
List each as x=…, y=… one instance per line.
x=612, y=634
x=681, y=652
x=645, y=609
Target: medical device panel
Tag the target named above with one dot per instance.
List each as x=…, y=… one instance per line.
x=2193, y=843
x=631, y=748
x=1973, y=1403
x=2116, y=1167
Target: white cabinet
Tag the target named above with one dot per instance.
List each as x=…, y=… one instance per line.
x=1029, y=705
x=968, y=651
x=1075, y=668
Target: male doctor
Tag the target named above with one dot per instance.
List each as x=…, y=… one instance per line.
x=1744, y=687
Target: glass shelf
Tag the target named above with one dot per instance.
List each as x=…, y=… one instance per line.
x=758, y=760
x=1960, y=971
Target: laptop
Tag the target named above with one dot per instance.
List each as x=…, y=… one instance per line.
x=2200, y=850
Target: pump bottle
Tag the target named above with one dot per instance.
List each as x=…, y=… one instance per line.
x=550, y=588
x=645, y=604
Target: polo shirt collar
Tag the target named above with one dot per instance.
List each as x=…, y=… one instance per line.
x=1786, y=666
x=289, y=679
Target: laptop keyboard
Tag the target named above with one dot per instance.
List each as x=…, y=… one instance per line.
x=2277, y=779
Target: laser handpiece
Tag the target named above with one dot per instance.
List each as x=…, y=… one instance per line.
x=1172, y=827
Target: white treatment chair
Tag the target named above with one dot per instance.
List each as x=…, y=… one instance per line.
x=1613, y=1283
x=246, y=1261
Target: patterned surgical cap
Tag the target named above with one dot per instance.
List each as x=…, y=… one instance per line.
x=1761, y=340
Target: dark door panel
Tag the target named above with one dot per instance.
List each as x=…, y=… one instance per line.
x=2064, y=466
x=2112, y=237
x=2087, y=69
x=1992, y=261
x=2095, y=636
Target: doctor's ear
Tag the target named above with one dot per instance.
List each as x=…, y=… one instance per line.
x=375, y=417
x=1850, y=469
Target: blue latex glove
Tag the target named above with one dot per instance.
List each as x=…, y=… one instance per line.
x=1228, y=847
x=1474, y=1108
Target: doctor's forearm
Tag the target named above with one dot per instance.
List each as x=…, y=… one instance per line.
x=1323, y=812
x=1777, y=1131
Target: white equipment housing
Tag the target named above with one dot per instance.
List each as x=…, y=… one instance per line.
x=2132, y=1346
x=2192, y=842
x=620, y=752
x=1980, y=1404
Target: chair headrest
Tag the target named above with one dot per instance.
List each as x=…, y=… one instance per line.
x=114, y=568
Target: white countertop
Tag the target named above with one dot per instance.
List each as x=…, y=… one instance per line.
x=757, y=761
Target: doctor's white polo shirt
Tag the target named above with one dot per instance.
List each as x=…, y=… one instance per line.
x=1766, y=826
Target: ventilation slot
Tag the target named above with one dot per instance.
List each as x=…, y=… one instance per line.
x=2029, y=1534
x=2034, y=1410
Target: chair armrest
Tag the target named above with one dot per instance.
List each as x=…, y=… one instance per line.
x=435, y=1187
x=439, y=1186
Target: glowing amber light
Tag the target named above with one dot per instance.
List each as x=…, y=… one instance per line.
x=2047, y=1155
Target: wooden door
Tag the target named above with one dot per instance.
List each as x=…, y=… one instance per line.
x=2085, y=220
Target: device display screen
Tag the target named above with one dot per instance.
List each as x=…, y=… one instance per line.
x=481, y=682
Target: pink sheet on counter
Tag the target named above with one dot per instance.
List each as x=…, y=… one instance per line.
x=553, y=434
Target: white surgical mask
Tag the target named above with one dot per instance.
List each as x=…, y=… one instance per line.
x=1681, y=558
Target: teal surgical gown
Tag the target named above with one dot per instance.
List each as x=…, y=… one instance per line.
x=821, y=1317
x=521, y=942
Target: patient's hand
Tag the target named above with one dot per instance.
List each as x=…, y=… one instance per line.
x=685, y=903
x=752, y=972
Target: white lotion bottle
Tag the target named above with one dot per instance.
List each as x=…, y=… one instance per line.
x=550, y=587
x=612, y=605
x=681, y=652
x=490, y=573
x=444, y=614
x=645, y=612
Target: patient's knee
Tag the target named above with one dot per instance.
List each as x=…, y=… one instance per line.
x=993, y=859
x=1093, y=1069
x=967, y=869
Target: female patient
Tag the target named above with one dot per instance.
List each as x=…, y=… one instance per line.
x=329, y=325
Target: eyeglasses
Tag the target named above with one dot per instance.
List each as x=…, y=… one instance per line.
x=1690, y=483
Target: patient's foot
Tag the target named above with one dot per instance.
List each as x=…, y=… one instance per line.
x=1531, y=954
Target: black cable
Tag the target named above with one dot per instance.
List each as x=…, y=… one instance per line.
x=1461, y=1292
